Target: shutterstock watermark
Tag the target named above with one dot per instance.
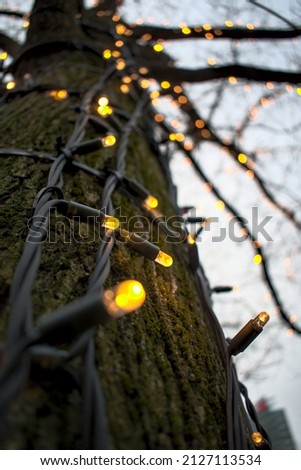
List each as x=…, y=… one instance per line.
x=56, y=227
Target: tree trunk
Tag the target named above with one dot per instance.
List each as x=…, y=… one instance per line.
x=160, y=368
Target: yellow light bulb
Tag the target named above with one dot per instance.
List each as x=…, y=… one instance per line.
x=220, y=205
x=104, y=110
x=124, y=88
x=151, y=202
x=107, y=54
x=109, y=140
x=144, y=83
x=110, y=222
x=3, y=55
x=164, y=259
x=103, y=101
x=262, y=318
x=10, y=85
x=180, y=137
x=186, y=30
x=232, y=80
x=229, y=24
x=242, y=158
x=257, y=438
x=190, y=239
x=211, y=61
x=165, y=84
x=120, y=28
x=257, y=259
x=154, y=94
x=120, y=65
x=59, y=95
x=158, y=47
x=124, y=298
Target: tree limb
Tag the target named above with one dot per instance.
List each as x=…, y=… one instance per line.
x=16, y=14
x=213, y=73
x=274, y=13
x=236, y=33
x=9, y=45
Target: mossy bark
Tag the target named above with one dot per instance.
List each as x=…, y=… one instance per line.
x=160, y=369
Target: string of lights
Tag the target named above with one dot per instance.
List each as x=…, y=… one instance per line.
x=75, y=322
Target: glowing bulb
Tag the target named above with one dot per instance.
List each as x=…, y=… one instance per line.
x=3, y=55
x=180, y=137
x=242, y=158
x=261, y=319
x=164, y=259
x=207, y=27
x=257, y=259
x=144, y=83
x=124, y=298
x=211, y=61
x=182, y=99
x=199, y=124
x=110, y=222
x=154, y=94
x=109, y=140
x=220, y=205
x=26, y=24
x=120, y=28
x=178, y=89
x=186, y=30
x=124, y=88
x=158, y=47
x=190, y=239
x=229, y=23
x=10, y=85
x=151, y=202
x=159, y=117
x=103, y=101
x=257, y=438
x=107, y=54
x=232, y=80
x=143, y=70
x=104, y=110
x=120, y=65
x=165, y=84
x=59, y=95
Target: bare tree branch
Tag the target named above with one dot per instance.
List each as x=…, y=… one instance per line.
x=274, y=13
x=236, y=33
x=16, y=14
x=213, y=73
x=234, y=151
x=9, y=45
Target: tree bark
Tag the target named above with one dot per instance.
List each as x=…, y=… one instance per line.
x=160, y=368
